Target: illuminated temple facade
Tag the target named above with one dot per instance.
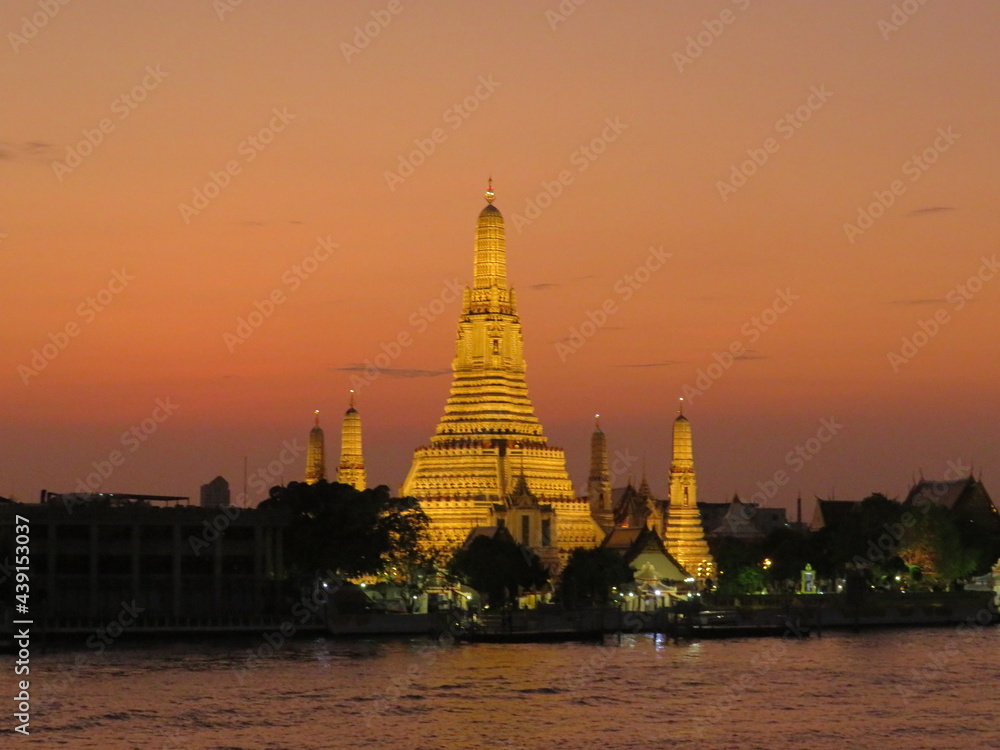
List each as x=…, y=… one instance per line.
x=488, y=463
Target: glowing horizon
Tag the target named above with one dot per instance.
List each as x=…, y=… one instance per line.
x=220, y=223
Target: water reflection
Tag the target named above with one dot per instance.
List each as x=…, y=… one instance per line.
x=909, y=689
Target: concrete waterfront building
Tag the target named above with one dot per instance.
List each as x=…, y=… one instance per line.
x=684, y=535
x=175, y=565
x=315, y=454
x=489, y=445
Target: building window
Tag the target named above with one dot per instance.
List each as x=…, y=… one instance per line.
x=526, y=531
x=546, y=532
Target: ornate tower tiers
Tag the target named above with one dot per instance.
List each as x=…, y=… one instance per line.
x=315, y=457
x=489, y=436
x=685, y=538
x=352, y=462
x=599, y=481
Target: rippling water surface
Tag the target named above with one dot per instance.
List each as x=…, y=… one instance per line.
x=912, y=690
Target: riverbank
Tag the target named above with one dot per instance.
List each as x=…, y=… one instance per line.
x=751, y=616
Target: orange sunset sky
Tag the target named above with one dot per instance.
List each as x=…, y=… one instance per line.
x=744, y=136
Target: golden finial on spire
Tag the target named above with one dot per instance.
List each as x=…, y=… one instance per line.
x=490, y=195
x=597, y=421
x=317, y=417
x=352, y=398
x=680, y=406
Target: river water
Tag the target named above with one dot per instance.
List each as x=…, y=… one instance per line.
x=906, y=689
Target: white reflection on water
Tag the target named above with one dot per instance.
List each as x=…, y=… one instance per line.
x=913, y=690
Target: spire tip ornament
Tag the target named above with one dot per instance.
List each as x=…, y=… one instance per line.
x=490, y=195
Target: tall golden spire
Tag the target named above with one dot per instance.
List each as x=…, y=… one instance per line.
x=489, y=434
x=352, y=463
x=490, y=266
x=685, y=537
x=489, y=395
x=599, y=482
x=315, y=454
x=683, y=455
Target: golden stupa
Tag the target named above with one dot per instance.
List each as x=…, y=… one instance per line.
x=489, y=437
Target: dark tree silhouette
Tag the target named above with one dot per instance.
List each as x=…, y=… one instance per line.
x=340, y=531
x=498, y=567
x=589, y=576
x=934, y=546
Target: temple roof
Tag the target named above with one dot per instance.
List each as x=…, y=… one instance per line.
x=831, y=512
x=946, y=493
x=632, y=508
x=631, y=543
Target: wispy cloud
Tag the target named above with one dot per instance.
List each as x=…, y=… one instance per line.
x=664, y=363
x=257, y=223
x=546, y=285
x=930, y=210
x=31, y=151
x=919, y=301
x=393, y=372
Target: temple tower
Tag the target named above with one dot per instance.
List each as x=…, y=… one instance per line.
x=315, y=455
x=352, y=462
x=685, y=537
x=599, y=482
x=489, y=434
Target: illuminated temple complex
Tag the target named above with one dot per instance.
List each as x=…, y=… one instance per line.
x=489, y=465
x=489, y=462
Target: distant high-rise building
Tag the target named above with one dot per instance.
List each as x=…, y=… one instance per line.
x=489, y=445
x=315, y=454
x=215, y=494
x=685, y=537
x=352, y=461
